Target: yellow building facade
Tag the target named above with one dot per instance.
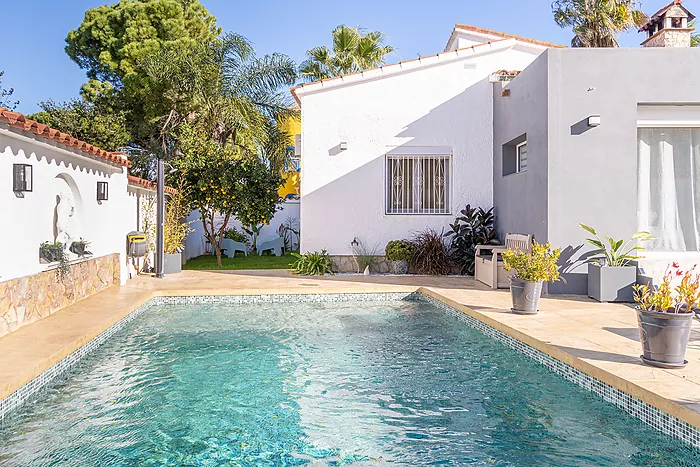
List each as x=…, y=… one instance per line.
x=292, y=175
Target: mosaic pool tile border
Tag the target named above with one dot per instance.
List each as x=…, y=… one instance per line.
x=60, y=369
x=647, y=413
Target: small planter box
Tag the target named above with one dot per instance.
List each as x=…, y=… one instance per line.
x=50, y=254
x=611, y=284
x=172, y=263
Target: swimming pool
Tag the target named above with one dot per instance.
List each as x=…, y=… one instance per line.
x=370, y=383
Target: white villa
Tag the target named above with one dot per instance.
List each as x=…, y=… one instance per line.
x=550, y=136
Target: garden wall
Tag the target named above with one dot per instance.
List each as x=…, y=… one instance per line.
x=27, y=299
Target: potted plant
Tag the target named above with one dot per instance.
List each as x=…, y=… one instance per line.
x=80, y=247
x=399, y=252
x=665, y=316
x=175, y=231
x=54, y=252
x=531, y=270
x=611, y=275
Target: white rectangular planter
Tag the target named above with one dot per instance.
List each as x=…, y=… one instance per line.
x=611, y=284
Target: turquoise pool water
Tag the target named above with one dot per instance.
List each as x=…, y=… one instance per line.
x=392, y=383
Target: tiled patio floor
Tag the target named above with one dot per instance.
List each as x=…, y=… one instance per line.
x=599, y=339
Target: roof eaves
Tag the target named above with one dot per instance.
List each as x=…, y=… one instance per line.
x=403, y=66
x=20, y=122
x=503, y=35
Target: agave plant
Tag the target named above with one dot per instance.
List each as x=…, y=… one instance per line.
x=616, y=253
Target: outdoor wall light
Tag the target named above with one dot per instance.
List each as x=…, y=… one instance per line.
x=343, y=145
x=593, y=121
x=354, y=243
x=102, y=191
x=21, y=177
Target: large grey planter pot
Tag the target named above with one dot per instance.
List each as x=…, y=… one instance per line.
x=172, y=263
x=664, y=337
x=611, y=284
x=526, y=296
x=400, y=267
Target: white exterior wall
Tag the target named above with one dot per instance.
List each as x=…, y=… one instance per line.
x=29, y=220
x=425, y=111
x=194, y=244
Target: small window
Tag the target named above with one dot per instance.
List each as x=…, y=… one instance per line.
x=418, y=184
x=514, y=158
x=521, y=157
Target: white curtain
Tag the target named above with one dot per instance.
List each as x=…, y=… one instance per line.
x=668, y=182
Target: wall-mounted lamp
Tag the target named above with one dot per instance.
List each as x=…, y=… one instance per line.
x=354, y=243
x=343, y=145
x=21, y=178
x=102, y=191
x=593, y=121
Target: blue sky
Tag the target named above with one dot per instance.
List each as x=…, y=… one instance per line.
x=36, y=65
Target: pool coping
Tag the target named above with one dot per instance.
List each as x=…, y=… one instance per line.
x=659, y=412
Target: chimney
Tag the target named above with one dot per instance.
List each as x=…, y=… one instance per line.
x=668, y=27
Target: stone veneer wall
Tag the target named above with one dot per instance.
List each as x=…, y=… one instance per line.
x=27, y=299
x=347, y=264
x=669, y=38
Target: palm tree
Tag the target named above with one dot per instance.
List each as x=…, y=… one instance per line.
x=352, y=51
x=223, y=88
x=596, y=23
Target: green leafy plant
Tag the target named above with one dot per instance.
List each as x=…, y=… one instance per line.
x=53, y=252
x=432, y=255
x=232, y=233
x=289, y=231
x=473, y=227
x=539, y=265
x=616, y=253
x=312, y=264
x=364, y=256
x=400, y=250
x=663, y=299
x=80, y=247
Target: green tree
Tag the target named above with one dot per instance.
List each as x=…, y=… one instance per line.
x=694, y=38
x=81, y=119
x=352, y=51
x=596, y=23
x=6, y=96
x=113, y=42
x=221, y=185
x=233, y=97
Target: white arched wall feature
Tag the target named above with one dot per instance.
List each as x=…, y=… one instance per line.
x=68, y=211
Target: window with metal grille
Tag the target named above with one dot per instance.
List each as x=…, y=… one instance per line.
x=418, y=184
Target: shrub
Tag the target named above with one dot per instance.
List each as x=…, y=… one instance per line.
x=474, y=227
x=175, y=228
x=432, y=256
x=540, y=265
x=232, y=233
x=312, y=264
x=400, y=250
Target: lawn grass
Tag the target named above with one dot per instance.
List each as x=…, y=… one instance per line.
x=240, y=263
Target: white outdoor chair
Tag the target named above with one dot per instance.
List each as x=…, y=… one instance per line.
x=232, y=247
x=275, y=244
x=488, y=268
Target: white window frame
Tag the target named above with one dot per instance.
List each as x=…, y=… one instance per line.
x=417, y=188
x=518, y=162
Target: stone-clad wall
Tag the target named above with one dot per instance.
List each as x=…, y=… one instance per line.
x=348, y=264
x=27, y=299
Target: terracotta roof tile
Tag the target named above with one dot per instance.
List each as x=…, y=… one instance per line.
x=149, y=184
x=505, y=35
x=21, y=122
